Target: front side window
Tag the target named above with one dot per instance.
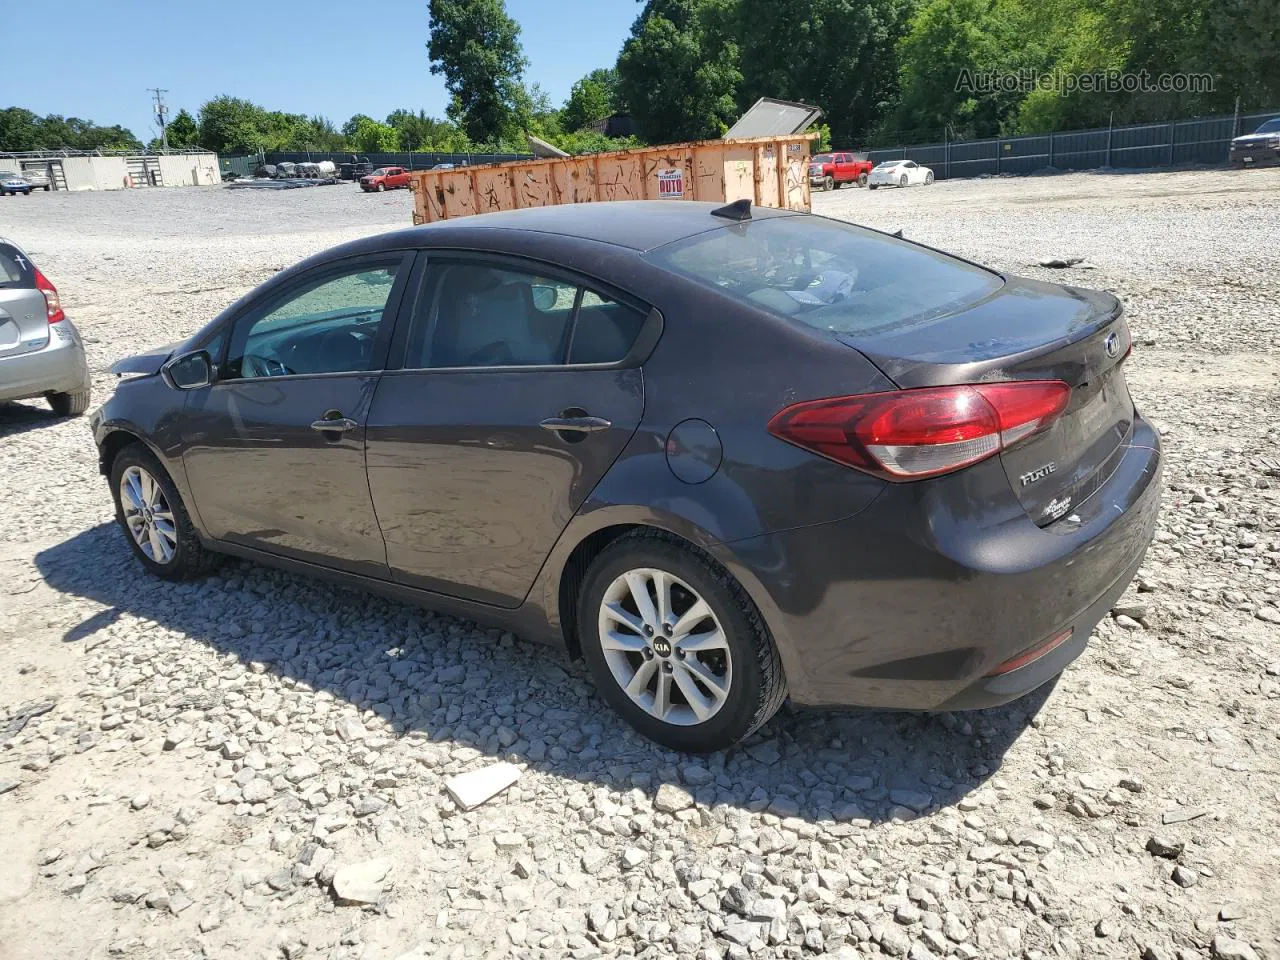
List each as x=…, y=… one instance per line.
x=828, y=274
x=485, y=315
x=329, y=325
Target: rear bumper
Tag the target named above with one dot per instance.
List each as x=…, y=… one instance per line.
x=58, y=367
x=912, y=603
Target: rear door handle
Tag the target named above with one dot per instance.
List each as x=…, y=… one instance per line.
x=575, y=424
x=336, y=425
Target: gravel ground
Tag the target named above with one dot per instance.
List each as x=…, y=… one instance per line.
x=255, y=765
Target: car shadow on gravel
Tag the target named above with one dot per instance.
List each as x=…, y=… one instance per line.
x=454, y=681
x=18, y=418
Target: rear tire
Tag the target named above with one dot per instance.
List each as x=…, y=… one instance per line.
x=720, y=668
x=862, y=179
x=903, y=181
x=188, y=558
x=70, y=404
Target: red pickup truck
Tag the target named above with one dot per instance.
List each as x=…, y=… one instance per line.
x=385, y=178
x=831, y=170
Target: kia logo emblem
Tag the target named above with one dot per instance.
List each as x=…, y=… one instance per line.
x=1112, y=344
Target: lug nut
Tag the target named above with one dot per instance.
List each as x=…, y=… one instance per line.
x=666, y=665
x=648, y=630
x=679, y=654
x=648, y=653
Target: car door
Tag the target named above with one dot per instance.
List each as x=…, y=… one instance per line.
x=844, y=168
x=519, y=387
x=274, y=448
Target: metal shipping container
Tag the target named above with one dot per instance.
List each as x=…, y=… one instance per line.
x=768, y=171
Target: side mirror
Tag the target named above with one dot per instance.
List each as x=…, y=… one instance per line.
x=545, y=296
x=190, y=371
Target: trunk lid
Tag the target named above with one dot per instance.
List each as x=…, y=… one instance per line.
x=24, y=315
x=1029, y=330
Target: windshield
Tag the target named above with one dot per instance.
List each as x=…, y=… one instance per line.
x=821, y=158
x=380, y=172
x=1271, y=126
x=828, y=274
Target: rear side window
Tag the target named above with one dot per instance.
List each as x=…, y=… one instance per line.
x=15, y=269
x=605, y=330
x=828, y=274
x=476, y=314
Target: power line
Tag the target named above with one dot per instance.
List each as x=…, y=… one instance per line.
x=162, y=114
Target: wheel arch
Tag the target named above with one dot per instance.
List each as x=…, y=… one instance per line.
x=114, y=439
x=587, y=542
x=583, y=541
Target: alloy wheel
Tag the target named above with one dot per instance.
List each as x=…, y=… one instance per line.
x=148, y=515
x=665, y=647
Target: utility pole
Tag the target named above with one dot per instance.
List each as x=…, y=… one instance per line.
x=162, y=114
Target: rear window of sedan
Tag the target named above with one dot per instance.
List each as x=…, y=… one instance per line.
x=827, y=274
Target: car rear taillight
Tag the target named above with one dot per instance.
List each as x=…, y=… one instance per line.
x=51, y=301
x=912, y=434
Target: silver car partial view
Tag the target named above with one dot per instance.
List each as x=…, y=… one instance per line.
x=41, y=353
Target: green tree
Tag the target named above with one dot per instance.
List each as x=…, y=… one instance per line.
x=370, y=136
x=232, y=125
x=1240, y=44
x=594, y=97
x=19, y=130
x=678, y=71
x=183, y=131
x=950, y=51
x=476, y=47
x=418, y=131
x=838, y=54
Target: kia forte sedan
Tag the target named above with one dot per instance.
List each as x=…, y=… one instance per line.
x=725, y=455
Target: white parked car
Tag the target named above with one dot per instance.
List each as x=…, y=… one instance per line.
x=899, y=173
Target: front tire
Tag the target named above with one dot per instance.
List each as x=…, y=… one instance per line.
x=872, y=186
x=928, y=178
x=828, y=183
x=155, y=522
x=70, y=404
x=382, y=187
x=676, y=646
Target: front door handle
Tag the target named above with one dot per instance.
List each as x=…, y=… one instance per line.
x=336, y=425
x=575, y=424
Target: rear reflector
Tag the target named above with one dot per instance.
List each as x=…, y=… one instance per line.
x=52, y=304
x=1035, y=653
x=912, y=434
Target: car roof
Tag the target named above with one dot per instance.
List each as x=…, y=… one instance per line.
x=636, y=224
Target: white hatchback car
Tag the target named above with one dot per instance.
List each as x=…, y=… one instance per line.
x=899, y=173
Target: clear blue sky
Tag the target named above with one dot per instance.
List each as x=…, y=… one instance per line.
x=94, y=60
